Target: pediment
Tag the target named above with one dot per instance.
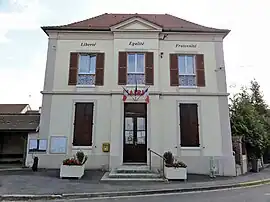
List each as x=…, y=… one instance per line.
x=136, y=24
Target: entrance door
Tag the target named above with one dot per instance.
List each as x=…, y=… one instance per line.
x=135, y=136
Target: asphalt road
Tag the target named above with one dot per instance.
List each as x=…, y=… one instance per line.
x=253, y=194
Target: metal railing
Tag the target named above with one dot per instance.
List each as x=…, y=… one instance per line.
x=160, y=156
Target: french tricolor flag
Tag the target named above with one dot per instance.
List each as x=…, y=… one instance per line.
x=146, y=94
x=125, y=94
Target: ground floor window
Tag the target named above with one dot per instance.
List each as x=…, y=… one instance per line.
x=189, y=126
x=83, y=124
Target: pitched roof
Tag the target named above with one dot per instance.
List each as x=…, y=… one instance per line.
x=25, y=122
x=166, y=21
x=12, y=108
x=32, y=112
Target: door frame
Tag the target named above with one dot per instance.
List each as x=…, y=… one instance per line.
x=146, y=133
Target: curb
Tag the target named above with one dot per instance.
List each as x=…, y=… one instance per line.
x=19, y=197
x=14, y=169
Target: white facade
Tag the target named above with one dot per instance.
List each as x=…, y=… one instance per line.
x=163, y=131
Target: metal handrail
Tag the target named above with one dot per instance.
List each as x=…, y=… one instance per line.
x=159, y=155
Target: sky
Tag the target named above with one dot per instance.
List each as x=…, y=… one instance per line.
x=23, y=45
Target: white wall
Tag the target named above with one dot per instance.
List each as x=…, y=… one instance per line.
x=29, y=156
x=163, y=130
x=111, y=45
x=61, y=70
x=61, y=124
x=174, y=46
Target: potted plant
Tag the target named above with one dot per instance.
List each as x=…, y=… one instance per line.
x=173, y=168
x=73, y=167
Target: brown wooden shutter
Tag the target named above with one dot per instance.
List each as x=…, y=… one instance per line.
x=100, y=69
x=189, y=127
x=122, y=68
x=149, y=68
x=200, y=70
x=83, y=124
x=73, y=68
x=174, y=75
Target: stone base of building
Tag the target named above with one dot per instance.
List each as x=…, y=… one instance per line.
x=195, y=164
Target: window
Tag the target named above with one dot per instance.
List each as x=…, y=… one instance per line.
x=189, y=127
x=186, y=69
x=83, y=124
x=135, y=70
x=87, y=69
x=36, y=145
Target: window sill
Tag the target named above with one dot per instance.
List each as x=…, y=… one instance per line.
x=85, y=86
x=134, y=85
x=34, y=152
x=81, y=147
x=188, y=87
x=190, y=148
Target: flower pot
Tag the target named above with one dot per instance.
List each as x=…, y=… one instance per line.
x=72, y=171
x=173, y=173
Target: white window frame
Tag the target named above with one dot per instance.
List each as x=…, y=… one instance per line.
x=88, y=73
x=187, y=74
x=136, y=63
x=194, y=65
x=199, y=107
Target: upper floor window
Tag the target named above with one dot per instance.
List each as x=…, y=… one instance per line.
x=87, y=69
x=135, y=68
x=187, y=70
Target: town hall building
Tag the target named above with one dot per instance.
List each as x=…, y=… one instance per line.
x=120, y=85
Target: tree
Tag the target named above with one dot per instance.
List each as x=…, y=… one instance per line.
x=246, y=121
x=257, y=98
x=263, y=109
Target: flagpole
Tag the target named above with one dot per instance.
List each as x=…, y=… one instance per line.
x=144, y=92
x=136, y=88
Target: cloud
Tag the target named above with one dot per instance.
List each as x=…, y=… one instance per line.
x=24, y=15
x=23, y=85
x=3, y=38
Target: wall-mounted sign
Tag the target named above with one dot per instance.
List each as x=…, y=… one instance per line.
x=137, y=43
x=58, y=145
x=88, y=44
x=186, y=45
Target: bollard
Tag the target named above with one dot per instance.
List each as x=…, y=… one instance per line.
x=35, y=164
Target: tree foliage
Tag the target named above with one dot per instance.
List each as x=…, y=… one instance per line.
x=257, y=98
x=249, y=118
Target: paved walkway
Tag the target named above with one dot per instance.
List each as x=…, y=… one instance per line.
x=48, y=182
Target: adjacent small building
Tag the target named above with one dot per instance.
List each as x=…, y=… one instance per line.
x=117, y=85
x=17, y=121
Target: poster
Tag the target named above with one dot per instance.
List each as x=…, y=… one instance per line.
x=58, y=144
x=33, y=144
x=129, y=137
x=129, y=123
x=36, y=145
x=141, y=124
x=42, y=145
x=141, y=137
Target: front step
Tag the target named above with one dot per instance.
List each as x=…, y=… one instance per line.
x=132, y=173
x=133, y=169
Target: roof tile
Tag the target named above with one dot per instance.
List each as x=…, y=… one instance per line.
x=166, y=21
x=27, y=122
x=12, y=108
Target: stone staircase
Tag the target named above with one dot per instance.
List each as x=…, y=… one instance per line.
x=133, y=173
